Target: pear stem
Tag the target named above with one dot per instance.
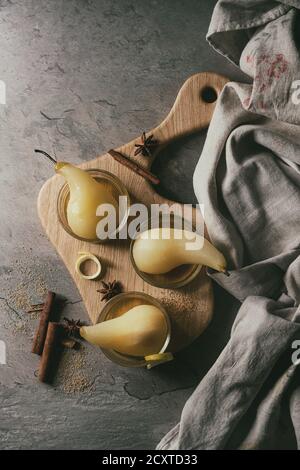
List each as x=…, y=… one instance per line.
x=46, y=155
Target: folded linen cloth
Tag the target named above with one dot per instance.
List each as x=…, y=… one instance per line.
x=248, y=178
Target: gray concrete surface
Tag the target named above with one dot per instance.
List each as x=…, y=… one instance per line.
x=83, y=76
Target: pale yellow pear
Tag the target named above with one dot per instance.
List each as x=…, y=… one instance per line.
x=159, y=250
x=86, y=194
x=140, y=331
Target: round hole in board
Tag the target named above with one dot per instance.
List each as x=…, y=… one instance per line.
x=209, y=94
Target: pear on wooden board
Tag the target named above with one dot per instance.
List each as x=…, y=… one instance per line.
x=86, y=194
x=140, y=331
x=159, y=250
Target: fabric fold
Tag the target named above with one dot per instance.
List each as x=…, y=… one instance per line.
x=248, y=179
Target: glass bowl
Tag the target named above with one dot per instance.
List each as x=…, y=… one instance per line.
x=116, y=187
x=177, y=277
x=120, y=304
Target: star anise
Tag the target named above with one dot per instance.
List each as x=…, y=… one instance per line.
x=72, y=327
x=147, y=145
x=109, y=290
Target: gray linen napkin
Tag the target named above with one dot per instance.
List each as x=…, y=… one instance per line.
x=248, y=178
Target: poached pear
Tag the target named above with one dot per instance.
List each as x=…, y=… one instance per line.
x=159, y=250
x=140, y=331
x=86, y=194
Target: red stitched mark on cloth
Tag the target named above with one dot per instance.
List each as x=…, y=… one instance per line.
x=261, y=105
x=268, y=69
x=277, y=67
x=271, y=67
x=246, y=102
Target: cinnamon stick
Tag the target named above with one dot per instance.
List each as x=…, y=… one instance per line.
x=51, y=352
x=119, y=157
x=45, y=317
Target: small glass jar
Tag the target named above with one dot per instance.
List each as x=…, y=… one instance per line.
x=117, y=189
x=178, y=277
x=116, y=307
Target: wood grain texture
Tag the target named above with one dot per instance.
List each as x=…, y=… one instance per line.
x=190, y=307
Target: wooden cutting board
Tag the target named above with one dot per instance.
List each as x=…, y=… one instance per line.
x=191, y=307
